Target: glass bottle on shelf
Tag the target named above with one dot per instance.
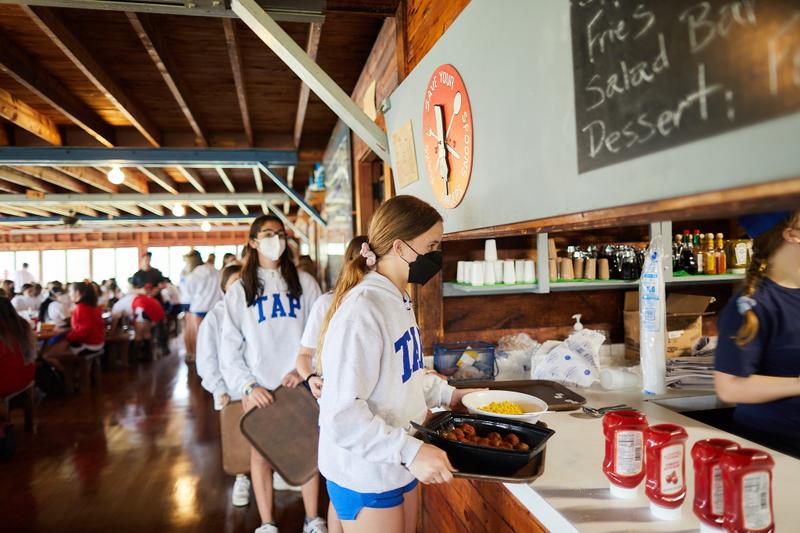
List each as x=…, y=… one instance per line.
x=722, y=258
x=710, y=255
x=677, y=244
x=688, y=262
x=698, y=251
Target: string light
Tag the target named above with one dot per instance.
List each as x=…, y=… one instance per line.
x=115, y=175
x=205, y=226
x=178, y=210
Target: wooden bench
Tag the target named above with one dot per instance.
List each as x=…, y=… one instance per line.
x=23, y=397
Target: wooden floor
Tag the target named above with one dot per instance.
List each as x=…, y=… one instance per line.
x=138, y=453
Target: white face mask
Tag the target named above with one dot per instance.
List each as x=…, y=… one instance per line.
x=272, y=247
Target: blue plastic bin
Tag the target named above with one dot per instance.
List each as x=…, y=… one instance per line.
x=446, y=357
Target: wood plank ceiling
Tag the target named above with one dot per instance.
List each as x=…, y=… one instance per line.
x=75, y=77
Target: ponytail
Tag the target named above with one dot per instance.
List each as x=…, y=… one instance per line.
x=402, y=217
x=764, y=246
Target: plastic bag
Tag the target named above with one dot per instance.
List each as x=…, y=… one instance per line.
x=514, y=355
x=653, y=321
x=572, y=362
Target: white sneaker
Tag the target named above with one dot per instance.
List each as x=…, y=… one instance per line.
x=267, y=528
x=240, y=496
x=316, y=525
x=278, y=483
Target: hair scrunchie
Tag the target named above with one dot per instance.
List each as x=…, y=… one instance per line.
x=369, y=255
x=745, y=304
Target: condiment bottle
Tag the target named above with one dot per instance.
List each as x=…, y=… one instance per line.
x=708, y=491
x=623, y=464
x=747, y=485
x=722, y=258
x=665, y=451
x=698, y=251
x=710, y=256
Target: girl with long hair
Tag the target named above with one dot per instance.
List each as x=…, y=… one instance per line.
x=265, y=313
x=375, y=382
x=87, y=329
x=17, y=350
x=758, y=356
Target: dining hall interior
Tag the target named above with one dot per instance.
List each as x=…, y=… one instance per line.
x=177, y=173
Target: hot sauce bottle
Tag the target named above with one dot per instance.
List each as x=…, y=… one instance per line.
x=665, y=451
x=747, y=486
x=624, y=461
x=708, y=490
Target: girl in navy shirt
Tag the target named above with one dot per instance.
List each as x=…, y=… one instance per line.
x=758, y=356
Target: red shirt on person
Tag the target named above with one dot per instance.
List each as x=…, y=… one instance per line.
x=87, y=325
x=14, y=373
x=151, y=307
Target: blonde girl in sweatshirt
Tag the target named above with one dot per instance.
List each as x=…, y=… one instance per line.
x=265, y=313
x=375, y=382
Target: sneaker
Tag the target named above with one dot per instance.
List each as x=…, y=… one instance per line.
x=278, y=483
x=267, y=528
x=240, y=496
x=316, y=525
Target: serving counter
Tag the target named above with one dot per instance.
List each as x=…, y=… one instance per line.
x=572, y=495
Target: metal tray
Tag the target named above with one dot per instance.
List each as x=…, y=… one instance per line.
x=557, y=396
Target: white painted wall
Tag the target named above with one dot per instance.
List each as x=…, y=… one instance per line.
x=515, y=57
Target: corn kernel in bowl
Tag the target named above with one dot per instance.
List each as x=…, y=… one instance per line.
x=503, y=408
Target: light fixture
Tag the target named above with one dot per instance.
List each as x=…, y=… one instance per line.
x=178, y=210
x=205, y=226
x=115, y=175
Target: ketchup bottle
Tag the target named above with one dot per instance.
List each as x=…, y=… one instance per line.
x=747, y=485
x=623, y=464
x=665, y=450
x=708, y=491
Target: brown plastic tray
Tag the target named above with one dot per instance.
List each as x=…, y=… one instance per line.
x=286, y=433
x=557, y=396
x=235, y=448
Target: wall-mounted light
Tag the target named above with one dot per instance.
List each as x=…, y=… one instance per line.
x=178, y=210
x=116, y=175
x=205, y=226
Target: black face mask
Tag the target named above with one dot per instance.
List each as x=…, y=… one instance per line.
x=424, y=267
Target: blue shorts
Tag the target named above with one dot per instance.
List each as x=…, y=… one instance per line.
x=348, y=503
x=201, y=315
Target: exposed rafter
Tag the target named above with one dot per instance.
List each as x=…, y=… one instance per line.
x=199, y=208
x=35, y=77
x=221, y=208
x=294, y=195
x=91, y=177
x=108, y=210
x=235, y=57
x=225, y=179
x=12, y=188
x=286, y=222
x=18, y=112
x=127, y=199
x=155, y=209
x=321, y=83
x=243, y=209
x=132, y=181
x=193, y=177
x=257, y=178
x=154, y=42
x=49, y=22
x=312, y=46
x=129, y=208
x=56, y=178
x=20, y=178
x=160, y=177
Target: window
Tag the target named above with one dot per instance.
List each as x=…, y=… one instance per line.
x=32, y=258
x=176, y=263
x=78, y=266
x=7, y=267
x=54, y=266
x=103, y=266
x=127, y=263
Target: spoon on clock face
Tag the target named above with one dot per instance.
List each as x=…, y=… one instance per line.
x=456, y=110
x=450, y=149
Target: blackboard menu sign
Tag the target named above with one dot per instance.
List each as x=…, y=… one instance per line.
x=654, y=74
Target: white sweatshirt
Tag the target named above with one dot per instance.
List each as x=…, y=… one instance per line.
x=202, y=288
x=375, y=385
x=22, y=303
x=315, y=319
x=208, y=346
x=260, y=342
x=56, y=314
x=124, y=306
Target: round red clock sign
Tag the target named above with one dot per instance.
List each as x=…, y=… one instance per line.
x=447, y=136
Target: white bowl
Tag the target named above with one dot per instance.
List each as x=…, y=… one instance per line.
x=475, y=400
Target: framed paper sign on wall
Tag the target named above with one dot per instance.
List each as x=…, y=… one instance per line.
x=447, y=135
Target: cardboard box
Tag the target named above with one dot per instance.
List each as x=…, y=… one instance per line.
x=684, y=323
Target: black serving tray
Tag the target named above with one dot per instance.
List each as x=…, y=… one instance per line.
x=481, y=462
x=557, y=396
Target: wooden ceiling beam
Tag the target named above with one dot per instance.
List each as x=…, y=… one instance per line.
x=20, y=178
x=12, y=188
x=7, y=210
x=243, y=209
x=86, y=210
x=235, y=57
x=312, y=46
x=4, y=141
x=36, y=78
x=257, y=178
x=51, y=24
x=90, y=176
x=56, y=178
x=129, y=208
x=132, y=181
x=18, y=112
x=193, y=177
x=221, y=208
x=199, y=208
x=160, y=177
x=155, y=45
x=225, y=179
x=155, y=209
x=108, y=210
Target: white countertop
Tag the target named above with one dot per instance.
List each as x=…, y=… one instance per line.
x=572, y=494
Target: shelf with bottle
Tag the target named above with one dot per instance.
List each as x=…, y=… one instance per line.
x=455, y=289
x=699, y=257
